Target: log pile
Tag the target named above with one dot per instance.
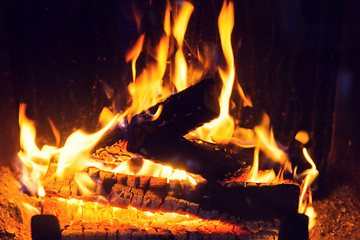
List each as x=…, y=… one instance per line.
x=212, y=201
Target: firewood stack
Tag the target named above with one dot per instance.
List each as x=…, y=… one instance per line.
x=159, y=136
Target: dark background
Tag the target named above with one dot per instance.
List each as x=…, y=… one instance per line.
x=297, y=60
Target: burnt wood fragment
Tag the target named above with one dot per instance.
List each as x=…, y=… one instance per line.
x=180, y=113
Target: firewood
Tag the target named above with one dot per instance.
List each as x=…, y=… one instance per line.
x=180, y=113
x=211, y=161
x=256, y=202
x=192, y=156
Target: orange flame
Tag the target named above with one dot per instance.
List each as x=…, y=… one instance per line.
x=134, y=53
x=180, y=24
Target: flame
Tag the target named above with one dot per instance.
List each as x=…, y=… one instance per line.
x=35, y=161
x=310, y=175
x=180, y=24
x=255, y=175
x=85, y=184
x=150, y=168
x=262, y=138
x=147, y=89
x=31, y=209
x=134, y=53
x=75, y=154
x=221, y=129
x=265, y=136
x=74, y=157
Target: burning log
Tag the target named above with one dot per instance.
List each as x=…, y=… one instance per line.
x=257, y=202
x=210, y=201
x=159, y=135
x=176, y=116
x=197, y=157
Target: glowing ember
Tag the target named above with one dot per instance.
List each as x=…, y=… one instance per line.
x=71, y=211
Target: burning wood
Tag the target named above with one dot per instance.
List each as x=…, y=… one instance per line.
x=194, y=182
x=176, y=116
x=209, y=200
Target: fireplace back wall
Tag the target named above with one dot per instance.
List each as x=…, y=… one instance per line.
x=57, y=56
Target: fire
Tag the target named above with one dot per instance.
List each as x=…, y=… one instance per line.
x=150, y=168
x=221, y=129
x=180, y=25
x=148, y=88
x=35, y=161
x=310, y=175
x=74, y=157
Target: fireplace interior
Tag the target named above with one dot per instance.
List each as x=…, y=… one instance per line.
x=297, y=61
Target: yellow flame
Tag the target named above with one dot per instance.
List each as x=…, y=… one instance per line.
x=266, y=139
x=221, y=129
x=85, y=184
x=31, y=210
x=262, y=139
x=72, y=158
x=255, y=175
x=75, y=155
x=310, y=175
x=35, y=161
x=147, y=89
x=180, y=24
x=150, y=168
x=134, y=53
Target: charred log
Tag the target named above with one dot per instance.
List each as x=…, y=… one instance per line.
x=211, y=161
x=179, y=114
x=206, y=200
x=255, y=201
